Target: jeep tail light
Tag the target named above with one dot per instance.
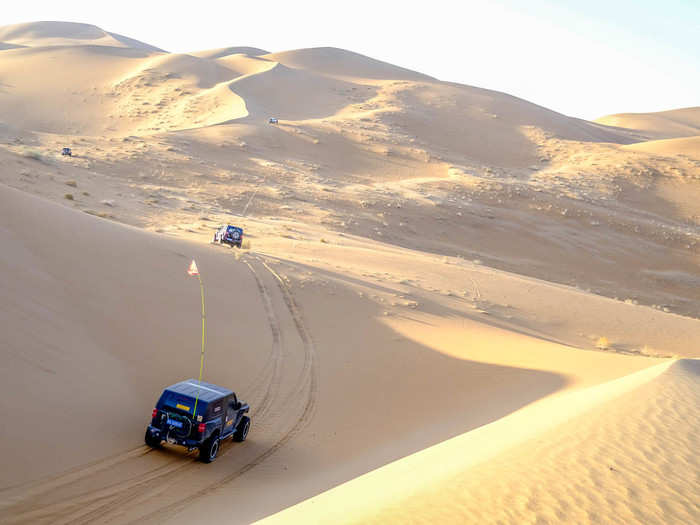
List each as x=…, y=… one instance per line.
x=155, y=413
x=201, y=428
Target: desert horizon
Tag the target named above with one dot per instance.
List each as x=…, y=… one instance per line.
x=449, y=305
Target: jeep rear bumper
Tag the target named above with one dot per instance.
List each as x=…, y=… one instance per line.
x=158, y=435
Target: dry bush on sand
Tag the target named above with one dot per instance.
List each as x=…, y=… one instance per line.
x=602, y=343
x=32, y=154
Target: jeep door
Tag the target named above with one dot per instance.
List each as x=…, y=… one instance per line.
x=231, y=414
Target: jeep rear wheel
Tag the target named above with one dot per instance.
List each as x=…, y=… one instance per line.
x=209, y=450
x=151, y=441
x=242, y=430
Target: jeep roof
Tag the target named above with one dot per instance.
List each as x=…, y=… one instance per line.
x=181, y=396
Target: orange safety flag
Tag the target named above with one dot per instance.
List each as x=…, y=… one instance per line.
x=192, y=270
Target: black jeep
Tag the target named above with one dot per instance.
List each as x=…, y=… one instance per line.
x=219, y=415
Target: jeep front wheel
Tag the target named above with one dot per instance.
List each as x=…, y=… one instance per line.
x=209, y=450
x=242, y=430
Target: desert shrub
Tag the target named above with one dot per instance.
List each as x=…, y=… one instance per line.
x=72, y=183
x=68, y=196
x=32, y=154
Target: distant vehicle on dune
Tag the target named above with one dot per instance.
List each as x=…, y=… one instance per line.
x=231, y=235
x=272, y=120
x=67, y=151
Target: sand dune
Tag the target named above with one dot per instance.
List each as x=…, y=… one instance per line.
x=91, y=321
x=228, y=51
x=201, y=73
x=343, y=64
x=39, y=34
x=309, y=84
x=584, y=457
x=72, y=107
x=245, y=64
x=453, y=305
x=90, y=360
x=688, y=146
x=124, y=91
x=675, y=123
x=505, y=174
x=313, y=96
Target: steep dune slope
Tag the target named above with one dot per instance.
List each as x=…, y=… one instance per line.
x=336, y=62
x=291, y=94
x=617, y=452
x=455, y=121
x=80, y=100
x=468, y=124
x=97, y=317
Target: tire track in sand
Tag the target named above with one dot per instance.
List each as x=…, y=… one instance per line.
x=108, y=501
x=130, y=490
x=276, y=357
x=309, y=383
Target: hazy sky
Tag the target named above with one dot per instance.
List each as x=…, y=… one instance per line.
x=583, y=58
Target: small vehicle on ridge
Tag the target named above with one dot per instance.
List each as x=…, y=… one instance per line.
x=231, y=235
x=220, y=414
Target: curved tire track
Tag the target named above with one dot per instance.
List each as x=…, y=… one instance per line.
x=105, y=502
x=276, y=356
x=262, y=408
x=309, y=381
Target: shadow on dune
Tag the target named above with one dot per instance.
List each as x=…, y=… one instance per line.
x=382, y=396
x=689, y=365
